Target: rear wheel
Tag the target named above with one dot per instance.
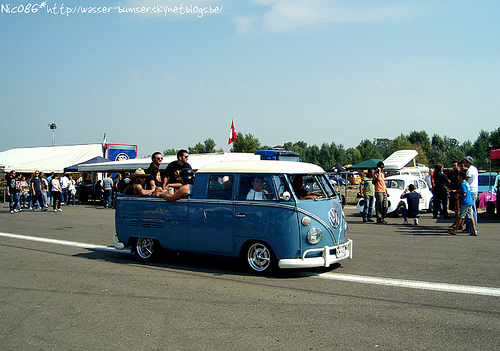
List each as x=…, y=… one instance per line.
x=145, y=249
x=259, y=258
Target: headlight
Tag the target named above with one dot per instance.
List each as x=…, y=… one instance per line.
x=314, y=236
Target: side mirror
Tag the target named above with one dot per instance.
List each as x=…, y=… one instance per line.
x=285, y=196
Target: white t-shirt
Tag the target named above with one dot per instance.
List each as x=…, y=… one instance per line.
x=255, y=195
x=474, y=179
x=64, y=182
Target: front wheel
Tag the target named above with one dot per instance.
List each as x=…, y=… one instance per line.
x=145, y=249
x=259, y=258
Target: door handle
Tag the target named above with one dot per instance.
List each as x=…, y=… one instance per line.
x=241, y=215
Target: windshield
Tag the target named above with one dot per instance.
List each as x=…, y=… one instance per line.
x=312, y=186
x=486, y=179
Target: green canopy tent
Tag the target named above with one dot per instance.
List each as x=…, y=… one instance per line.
x=371, y=163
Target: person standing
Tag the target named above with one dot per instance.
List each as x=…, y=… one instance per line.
x=107, y=185
x=467, y=203
x=24, y=192
x=381, y=193
x=12, y=192
x=64, y=180
x=56, y=193
x=174, y=168
x=472, y=177
x=36, y=186
x=367, y=191
x=441, y=182
x=45, y=188
x=454, y=203
x=72, y=190
x=49, y=189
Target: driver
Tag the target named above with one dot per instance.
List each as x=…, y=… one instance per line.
x=300, y=192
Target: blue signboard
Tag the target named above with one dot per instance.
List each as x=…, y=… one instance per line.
x=120, y=152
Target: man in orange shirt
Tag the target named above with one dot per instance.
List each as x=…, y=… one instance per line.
x=381, y=193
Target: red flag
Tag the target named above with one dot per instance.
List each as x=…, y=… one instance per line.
x=232, y=134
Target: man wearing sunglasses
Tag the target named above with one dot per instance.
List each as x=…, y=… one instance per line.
x=154, y=180
x=174, y=168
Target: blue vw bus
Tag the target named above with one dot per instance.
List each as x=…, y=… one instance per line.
x=268, y=213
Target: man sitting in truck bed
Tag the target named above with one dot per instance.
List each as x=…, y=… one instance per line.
x=184, y=190
x=137, y=184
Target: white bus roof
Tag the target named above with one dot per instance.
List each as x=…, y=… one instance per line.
x=399, y=159
x=264, y=166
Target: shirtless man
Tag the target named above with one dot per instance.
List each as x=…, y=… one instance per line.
x=137, y=184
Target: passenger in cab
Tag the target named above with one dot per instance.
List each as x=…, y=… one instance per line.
x=183, y=190
x=137, y=184
x=300, y=192
x=257, y=191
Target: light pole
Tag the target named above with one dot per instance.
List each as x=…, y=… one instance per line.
x=53, y=127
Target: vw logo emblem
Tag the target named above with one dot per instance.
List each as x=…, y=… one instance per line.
x=333, y=217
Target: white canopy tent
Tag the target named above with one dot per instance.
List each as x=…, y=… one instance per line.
x=46, y=159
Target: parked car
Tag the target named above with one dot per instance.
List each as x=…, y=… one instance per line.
x=487, y=182
x=395, y=187
x=280, y=230
x=336, y=179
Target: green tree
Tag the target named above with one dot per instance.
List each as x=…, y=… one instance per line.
x=420, y=138
x=368, y=150
x=383, y=146
x=400, y=143
x=326, y=157
x=245, y=143
x=169, y=152
x=481, y=150
x=353, y=156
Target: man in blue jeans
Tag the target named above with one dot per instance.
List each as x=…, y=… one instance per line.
x=13, y=192
x=473, y=180
x=107, y=185
x=367, y=190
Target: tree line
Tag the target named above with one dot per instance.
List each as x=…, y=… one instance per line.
x=431, y=150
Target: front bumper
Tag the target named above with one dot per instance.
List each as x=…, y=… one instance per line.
x=342, y=252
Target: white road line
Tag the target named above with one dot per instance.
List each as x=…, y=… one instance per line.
x=412, y=284
x=59, y=242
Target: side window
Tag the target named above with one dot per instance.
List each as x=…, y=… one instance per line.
x=281, y=186
x=220, y=187
x=260, y=188
x=421, y=184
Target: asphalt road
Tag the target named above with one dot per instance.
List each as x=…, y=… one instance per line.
x=69, y=297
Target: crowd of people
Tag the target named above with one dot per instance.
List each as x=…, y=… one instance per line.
x=40, y=191
x=457, y=192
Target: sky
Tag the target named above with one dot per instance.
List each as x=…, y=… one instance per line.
x=316, y=71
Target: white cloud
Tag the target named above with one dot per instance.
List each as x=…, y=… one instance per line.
x=286, y=15
x=244, y=24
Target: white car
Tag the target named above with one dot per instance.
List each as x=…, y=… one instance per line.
x=395, y=187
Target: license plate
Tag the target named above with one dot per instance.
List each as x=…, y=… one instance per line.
x=341, y=252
